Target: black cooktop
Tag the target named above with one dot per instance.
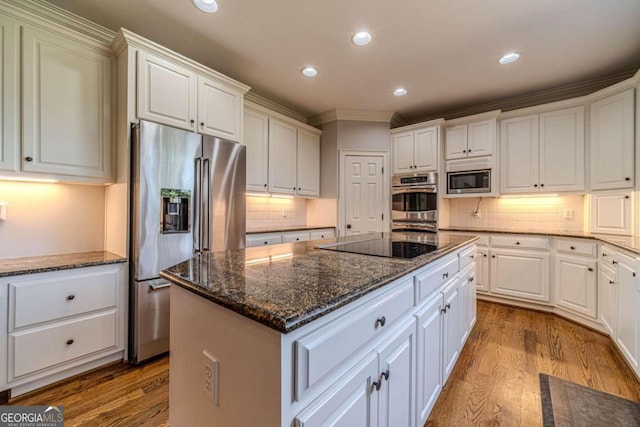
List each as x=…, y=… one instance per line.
x=385, y=247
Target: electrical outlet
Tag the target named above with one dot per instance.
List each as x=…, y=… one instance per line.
x=567, y=214
x=284, y=213
x=210, y=367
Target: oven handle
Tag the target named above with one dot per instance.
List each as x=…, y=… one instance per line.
x=414, y=225
x=421, y=189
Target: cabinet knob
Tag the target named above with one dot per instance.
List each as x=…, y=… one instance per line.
x=493, y=256
x=385, y=374
x=471, y=256
x=381, y=321
x=349, y=226
x=415, y=166
x=265, y=186
x=297, y=239
x=29, y=159
x=626, y=197
x=410, y=166
x=294, y=188
x=266, y=243
x=71, y=297
x=192, y=121
x=535, y=185
x=611, y=282
x=443, y=310
x=517, y=243
x=573, y=248
x=299, y=188
x=627, y=179
x=484, y=255
x=541, y=185
x=375, y=386
x=448, y=306
x=69, y=342
x=464, y=151
x=202, y=124
x=445, y=275
x=590, y=269
x=471, y=279
x=614, y=262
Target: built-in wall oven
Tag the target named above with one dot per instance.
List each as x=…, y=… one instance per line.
x=415, y=202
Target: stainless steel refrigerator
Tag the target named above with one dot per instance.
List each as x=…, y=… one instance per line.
x=188, y=196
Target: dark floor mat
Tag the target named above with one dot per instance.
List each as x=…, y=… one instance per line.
x=568, y=404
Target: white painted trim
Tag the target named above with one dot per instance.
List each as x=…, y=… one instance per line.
x=543, y=108
x=430, y=123
x=127, y=38
x=474, y=118
x=386, y=187
x=259, y=108
x=260, y=100
x=614, y=89
x=351, y=115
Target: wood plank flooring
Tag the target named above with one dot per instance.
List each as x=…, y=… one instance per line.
x=495, y=382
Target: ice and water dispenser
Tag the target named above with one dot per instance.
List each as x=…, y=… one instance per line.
x=176, y=211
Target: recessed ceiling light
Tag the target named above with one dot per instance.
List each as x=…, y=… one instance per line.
x=361, y=38
x=400, y=91
x=208, y=6
x=509, y=58
x=309, y=71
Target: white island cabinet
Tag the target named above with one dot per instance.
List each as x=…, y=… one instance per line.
x=376, y=361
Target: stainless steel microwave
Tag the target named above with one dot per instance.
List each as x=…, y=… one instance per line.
x=476, y=181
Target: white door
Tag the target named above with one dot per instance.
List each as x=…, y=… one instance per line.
x=67, y=106
x=403, y=152
x=451, y=329
x=628, y=321
x=576, y=284
x=10, y=98
x=481, y=138
x=429, y=356
x=612, y=144
x=482, y=270
x=256, y=139
x=562, y=150
x=611, y=212
x=167, y=93
x=519, y=155
x=282, y=157
x=455, y=142
x=363, y=194
x=350, y=402
x=308, y=164
x=219, y=110
x=520, y=274
x=426, y=150
x=397, y=366
x=607, y=299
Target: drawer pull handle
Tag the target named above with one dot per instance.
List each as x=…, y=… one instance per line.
x=614, y=262
x=71, y=297
x=69, y=342
x=573, y=248
x=384, y=374
x=445, y=275
x=604, y=255
x=590, y=269
x=381, y=321
x=375, y=386
x=448, y=306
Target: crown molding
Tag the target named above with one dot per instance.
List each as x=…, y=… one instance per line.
x=126, y=38
x=476, y=117
x=407, y=128
x=590, y=87
x=260, y=100
x=351, y=115
x=250, y=105
x=42, y=14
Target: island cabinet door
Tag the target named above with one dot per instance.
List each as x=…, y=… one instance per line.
x=429, y=356
x=451, y=328
x=351, y=402
x=397, y=377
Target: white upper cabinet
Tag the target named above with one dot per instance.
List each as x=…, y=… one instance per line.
x=611, y=212
x=10, y=100
x=543, y=152
x=166, y=92
x=612, y=142
x=416, y=150
x=219, y=109
x=66, y=106
x=308, y=164
x=256, y=139
x=282, y=157
x=473, y=139
x=519, y=154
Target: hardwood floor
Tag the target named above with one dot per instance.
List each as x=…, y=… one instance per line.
x=495, y=382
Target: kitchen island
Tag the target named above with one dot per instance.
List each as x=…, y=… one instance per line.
x=296, y=335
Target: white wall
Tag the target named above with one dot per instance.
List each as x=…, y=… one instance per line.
x=45, y=219
x=354, y=135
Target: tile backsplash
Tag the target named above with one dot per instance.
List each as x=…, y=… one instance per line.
x=545, y=213
x=275, y=212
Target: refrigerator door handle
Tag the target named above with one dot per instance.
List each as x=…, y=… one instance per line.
x=206, y=202
x=158, y=286
x=197, y=211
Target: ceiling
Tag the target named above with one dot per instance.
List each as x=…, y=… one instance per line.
x=444, y=52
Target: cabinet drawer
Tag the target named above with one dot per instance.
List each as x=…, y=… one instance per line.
x=40, y=348
x=467, y=257
x=322, y=234
x=520, y=242
x=429, y=281
x=295, y=236
x=577, y=247
x=325, y=348
x=263, y=239
x=607, y=256
x=51, y=298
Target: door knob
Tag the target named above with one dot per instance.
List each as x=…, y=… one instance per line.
x=349, y=226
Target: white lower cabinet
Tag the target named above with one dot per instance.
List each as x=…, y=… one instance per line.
x=607, y=298
x=627, y=310
x=429, y=369
x=482, y=270
x=62, y=323
x=576, y=284
x=266, y=239
x=451, y=328
x=520, y=274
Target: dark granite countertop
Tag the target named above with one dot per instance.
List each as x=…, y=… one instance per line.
x=629, y=243
x=260, y=230
x=286, y=286
x=41, y=264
